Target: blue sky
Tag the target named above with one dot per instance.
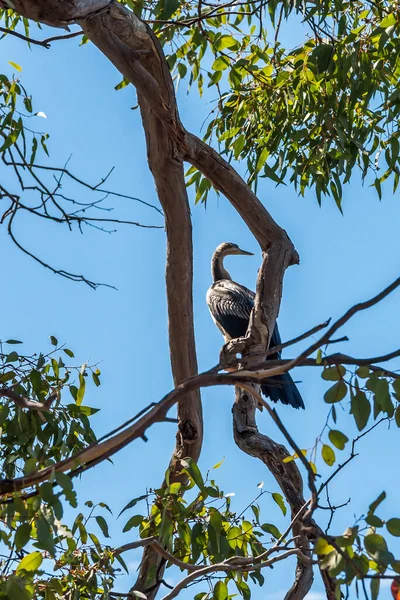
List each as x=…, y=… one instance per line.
x=344, y=259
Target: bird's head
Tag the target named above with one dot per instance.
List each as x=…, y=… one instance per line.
x=227, y=248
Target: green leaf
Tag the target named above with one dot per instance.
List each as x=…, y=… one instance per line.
x=396, y=566
x=234, y=536
x=225, y=41
x=362, y=372
x=122, y=84
x=64, y=481
x=334, y=373
x=132, y=503
x=220, y=64
x=328, y=455
x=220, y=591
x=81, y=390
x=397, y=416
x=360, y=409
x=375, y=583
x=13, y=342
x=36, y=381
x=272, y=529
x=134, y=521
x=96, y=379
x=336, y=393
x=69, y=353
x=30, y=562
x=15, y=65
x=12, y=357
x=102, y=523
x=53, y=340
x=374, y=505
x=17, y=590
x=322, y=547
x=373, y=520
x=243, y=589
x=261, y=160
x=193, y=470
x=174, y=488
x=56, y=368
x=121, y=561
x=321, y=56
x=280, y=502
x=396, y=388
x=34, y=150
x=393, y=526
x=347, y=539
x=338, y=438
x=375, y=544
x=387, y=22
x=168, y=9
x=318, y=359
x=166, y=529
x=22, y=535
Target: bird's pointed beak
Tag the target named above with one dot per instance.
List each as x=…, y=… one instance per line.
x=240, y=251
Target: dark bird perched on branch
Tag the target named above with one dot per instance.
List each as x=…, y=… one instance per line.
x=230, y=306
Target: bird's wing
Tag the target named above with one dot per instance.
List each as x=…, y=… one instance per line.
x=230, y=305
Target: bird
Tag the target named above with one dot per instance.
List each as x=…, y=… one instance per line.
x=230, y=305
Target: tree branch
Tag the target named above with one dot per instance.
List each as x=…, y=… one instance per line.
x=45, y=43
x=23, y=402
x=156, y=97
x=287, y=475
x=230, y=566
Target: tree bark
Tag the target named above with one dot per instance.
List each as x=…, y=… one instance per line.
x=135, y=51
x=166, y=164
x=287, y=475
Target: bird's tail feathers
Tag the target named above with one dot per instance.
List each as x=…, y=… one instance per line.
x=282, y=388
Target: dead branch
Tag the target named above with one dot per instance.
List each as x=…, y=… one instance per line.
x=346, y=317
x=45, y=43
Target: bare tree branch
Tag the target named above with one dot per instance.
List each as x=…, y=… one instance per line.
x=45, y=43
x=287, y=475
x=159, y=112
x=98, y=452
x=233, y=566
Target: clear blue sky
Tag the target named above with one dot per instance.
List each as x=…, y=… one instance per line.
x=344, y=259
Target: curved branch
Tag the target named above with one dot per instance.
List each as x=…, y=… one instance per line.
x=125, y=40
x=287, y=475
x=45, y=43
x=23, y=402
x=226, y=567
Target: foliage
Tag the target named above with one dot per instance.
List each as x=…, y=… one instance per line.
x=44, y=437
x=310, y=116
x=307, y=115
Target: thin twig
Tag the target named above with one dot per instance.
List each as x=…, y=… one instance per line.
x=45, y=43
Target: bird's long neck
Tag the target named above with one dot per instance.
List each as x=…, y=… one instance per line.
x=217, y=267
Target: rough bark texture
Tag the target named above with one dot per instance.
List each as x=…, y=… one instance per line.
x=287, y=475
x=121, y=42
x=132, y=47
